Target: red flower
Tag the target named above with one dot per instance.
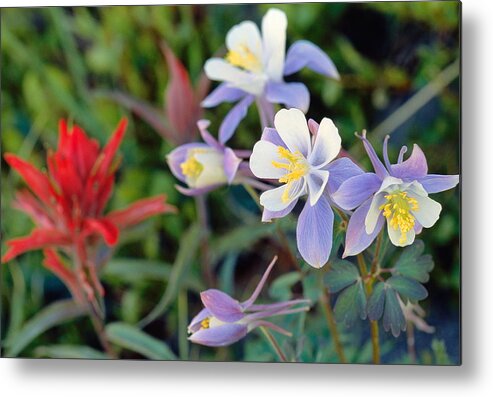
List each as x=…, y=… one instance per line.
x=67, y=203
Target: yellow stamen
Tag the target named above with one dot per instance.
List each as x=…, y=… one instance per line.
x=244, y=58
x=296, y=166
x=204, y=324
x=397, y=210
x=191, y=167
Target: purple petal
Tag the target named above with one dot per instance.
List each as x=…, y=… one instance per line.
x=341, y=170
x=195, y=324
x=314, y=232
x=418, y=228
x=414, y=167
x=356, y=238
x=206, y=135
x=196, y=191
x=305, y=54
x=267, y=215
x=271, y=135
x=438, y=183
x=233, y=118
x=354, y=191
x=379, y=168
x=313, y=126
x=231, y=164
x=222, y=335
x=223, y=93
x=260, y=285
x=292, y=95
x=222, y=306
x=179, y=155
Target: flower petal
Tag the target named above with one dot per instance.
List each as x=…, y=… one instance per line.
x=414, y=167
x=222, y=306
x=302, y=54
x=354, y=191
x=374, y=212
x=197, y=191
x=206, y=135
x=223, y=93
x=231, y=164
x=314, y=232
x=327, y=144
x=357, y=240
x=233, y=118
x=429, y=211
x=341, y=170
x=222, y=335
x=292, y=127
x=267, y=215
x=272, y=136
x=379, y=168
x=291, y=95
x=395, y=236
x=316, y=182
x=195, y=323
x=433, y=183
x=179, y=155
x=272, y=199
x=274, y=26
x=261, y=161
x=103, y=227
x=245, y=34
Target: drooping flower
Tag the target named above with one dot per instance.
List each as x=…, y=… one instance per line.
x=304, y=165
x=255, y=66
x=396, y=193
x=208, y=165
x=224, y=320
x=67, y=203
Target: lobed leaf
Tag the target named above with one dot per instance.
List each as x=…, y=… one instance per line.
x=413, y=264
x=408, y=288
x=376, y=302
x=393, y=318
x=341, y=274
x=351, y=305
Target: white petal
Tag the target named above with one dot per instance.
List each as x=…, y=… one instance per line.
x=316, y=181
x=220, y=70
x=327, y=144
x=389, y=184
x=213, y=171
x=245, y=34
x=374, y=212
x=293, y=129
x=395, y=236
x=272, y=199
x=274, y=26
x=264, y=153
x=428, y=212
x=417, y=188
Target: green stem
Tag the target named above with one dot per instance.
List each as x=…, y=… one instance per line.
x=182, y=324
x=374, y=331
x=331, y=324
x=274, y=344
x=204, y=243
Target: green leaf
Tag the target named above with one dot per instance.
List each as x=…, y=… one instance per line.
x=311, y=286
x=55, y=314
x=341, y=274
x=393, y=318
x=132, y=338
x=408, y=288
x=186, y=254
x=351, y=305
x=70, y=351
x=281, y=287
x=376, y=302
x=413, y=264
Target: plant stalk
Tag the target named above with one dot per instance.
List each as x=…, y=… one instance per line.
x=274, y=344
x=331, y=324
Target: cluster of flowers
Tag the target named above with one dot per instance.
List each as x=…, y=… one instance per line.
x=296, y=158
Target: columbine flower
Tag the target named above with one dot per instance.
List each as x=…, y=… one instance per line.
x=204, y=166
x=255, y=65
x=396, y=193
x=67, y=202
x=224, y=320
x=304, y=166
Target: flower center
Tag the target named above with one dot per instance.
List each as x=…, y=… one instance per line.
x=397, y=210
x=244, y=58
x=191, y=167
x=205, y=323
x=296, y=168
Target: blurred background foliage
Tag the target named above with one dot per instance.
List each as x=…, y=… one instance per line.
x=56, y=62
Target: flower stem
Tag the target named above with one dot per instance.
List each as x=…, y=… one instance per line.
x=374, y=331
x=331, y=324
x=274, y=344
x=204, y=244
